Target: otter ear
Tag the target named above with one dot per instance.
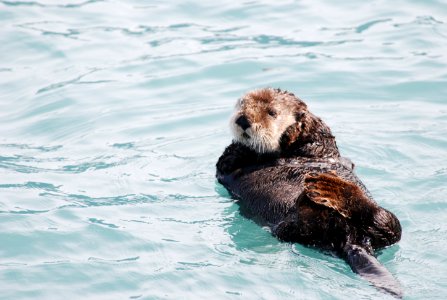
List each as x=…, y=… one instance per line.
x=301, y=105
x=300, y=109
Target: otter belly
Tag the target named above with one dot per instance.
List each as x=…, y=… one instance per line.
x=317, y=202
x=271, y=191
x=268, y=192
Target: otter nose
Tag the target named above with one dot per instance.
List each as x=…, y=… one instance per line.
x=243, y=122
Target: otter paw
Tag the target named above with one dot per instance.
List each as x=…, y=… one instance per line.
x=331, y=191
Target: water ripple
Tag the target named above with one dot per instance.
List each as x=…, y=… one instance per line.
x=113, y=114
x=367, y=25
x=62, y=84
x=38, y=4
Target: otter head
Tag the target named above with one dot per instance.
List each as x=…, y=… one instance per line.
x=262, y=118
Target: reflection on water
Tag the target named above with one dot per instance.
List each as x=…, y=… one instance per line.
x=113, y=114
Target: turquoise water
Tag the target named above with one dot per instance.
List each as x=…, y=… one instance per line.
x=113, y=114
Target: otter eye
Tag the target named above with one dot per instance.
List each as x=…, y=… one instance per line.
x=272, y=113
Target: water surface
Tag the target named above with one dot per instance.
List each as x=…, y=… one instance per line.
x=113, y=114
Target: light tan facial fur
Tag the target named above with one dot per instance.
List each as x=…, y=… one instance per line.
x=268, y=112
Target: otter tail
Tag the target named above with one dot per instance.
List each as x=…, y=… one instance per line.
x=368, y=267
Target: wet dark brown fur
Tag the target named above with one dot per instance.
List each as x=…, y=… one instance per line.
x=284, y=167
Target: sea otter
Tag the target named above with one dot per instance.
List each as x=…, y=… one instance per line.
x=285, y=169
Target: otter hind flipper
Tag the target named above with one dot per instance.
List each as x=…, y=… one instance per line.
x=332, y=191
x=368, y=267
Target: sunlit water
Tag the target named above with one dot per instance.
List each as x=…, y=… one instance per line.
x=113, y=114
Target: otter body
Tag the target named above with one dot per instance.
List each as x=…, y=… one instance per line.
x=285, y=169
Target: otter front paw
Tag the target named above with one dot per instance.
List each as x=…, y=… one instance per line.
x=227, y=164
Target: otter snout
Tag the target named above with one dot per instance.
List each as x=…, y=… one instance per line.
x=243, y=122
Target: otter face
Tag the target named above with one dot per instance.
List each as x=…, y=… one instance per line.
x=262, y=116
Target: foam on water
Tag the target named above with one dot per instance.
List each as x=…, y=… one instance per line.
x=113, y=114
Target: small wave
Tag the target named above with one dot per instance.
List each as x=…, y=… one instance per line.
x=103, y=223
x=38, y=4
x=33, y=147
x=33, y=185
x=127, y=259
x=62, y=84
x=368, y=25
